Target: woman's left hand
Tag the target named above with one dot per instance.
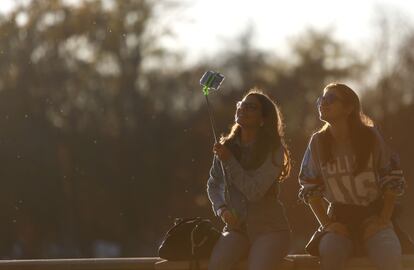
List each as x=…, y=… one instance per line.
x=222, y=152
x=375, y=224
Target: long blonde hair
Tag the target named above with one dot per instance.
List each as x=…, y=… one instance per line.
x=361, y=135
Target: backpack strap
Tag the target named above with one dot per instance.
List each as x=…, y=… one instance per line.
x=195, y=245
x=194, y=263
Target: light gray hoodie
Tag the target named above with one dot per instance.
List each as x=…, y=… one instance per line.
x=335, y=180
x=252, y=194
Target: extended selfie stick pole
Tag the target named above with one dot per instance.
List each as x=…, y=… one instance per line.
x=211, y=81
x=210, y=114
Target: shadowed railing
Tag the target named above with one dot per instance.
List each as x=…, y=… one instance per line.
x=292, y=262
x=81, y=264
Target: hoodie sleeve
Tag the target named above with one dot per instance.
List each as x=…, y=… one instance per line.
x=255, y=183
x=390, y=174
x=216, y=187
x=310, y=177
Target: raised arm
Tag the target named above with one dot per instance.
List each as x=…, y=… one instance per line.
x=215, y=187
x=312, y=185
x=390, y=176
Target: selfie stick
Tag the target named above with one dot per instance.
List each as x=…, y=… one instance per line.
x=211, y=81
x=210, y=114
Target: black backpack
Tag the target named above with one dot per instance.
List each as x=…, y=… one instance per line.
x=189, y=239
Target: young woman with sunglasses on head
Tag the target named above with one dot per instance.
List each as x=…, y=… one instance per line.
x=255, y=159
x=348, y=165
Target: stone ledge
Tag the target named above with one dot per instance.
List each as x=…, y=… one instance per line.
x=291, y=262
x=143, y=263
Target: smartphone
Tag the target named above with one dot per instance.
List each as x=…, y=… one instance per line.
x=212, y=80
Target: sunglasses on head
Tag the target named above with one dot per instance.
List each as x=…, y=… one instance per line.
x=246, y=105
x=327, y=99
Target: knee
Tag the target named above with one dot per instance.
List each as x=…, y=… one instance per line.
x=221, y=260
x=219, y=264
x=385, y=248
x=393, y=261
x=387, y=258
x=393, y=254
x=335, y=251
x=333, y=257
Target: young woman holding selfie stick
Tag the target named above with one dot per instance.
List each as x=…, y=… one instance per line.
x=256, y=160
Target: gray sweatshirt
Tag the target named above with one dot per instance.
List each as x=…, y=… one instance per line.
x=335, y=180
x=253, y=194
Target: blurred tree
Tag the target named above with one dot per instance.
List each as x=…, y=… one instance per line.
x=390, y=101
x=390, y=66
x=70, y=94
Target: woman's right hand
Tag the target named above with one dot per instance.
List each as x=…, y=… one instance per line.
x=222, y=152
x=337, y=228
x=230, y=219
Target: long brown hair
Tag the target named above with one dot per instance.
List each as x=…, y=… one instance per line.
x=270, y=135
x=361, y=135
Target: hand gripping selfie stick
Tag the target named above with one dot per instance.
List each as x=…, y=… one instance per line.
x=211, y=82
